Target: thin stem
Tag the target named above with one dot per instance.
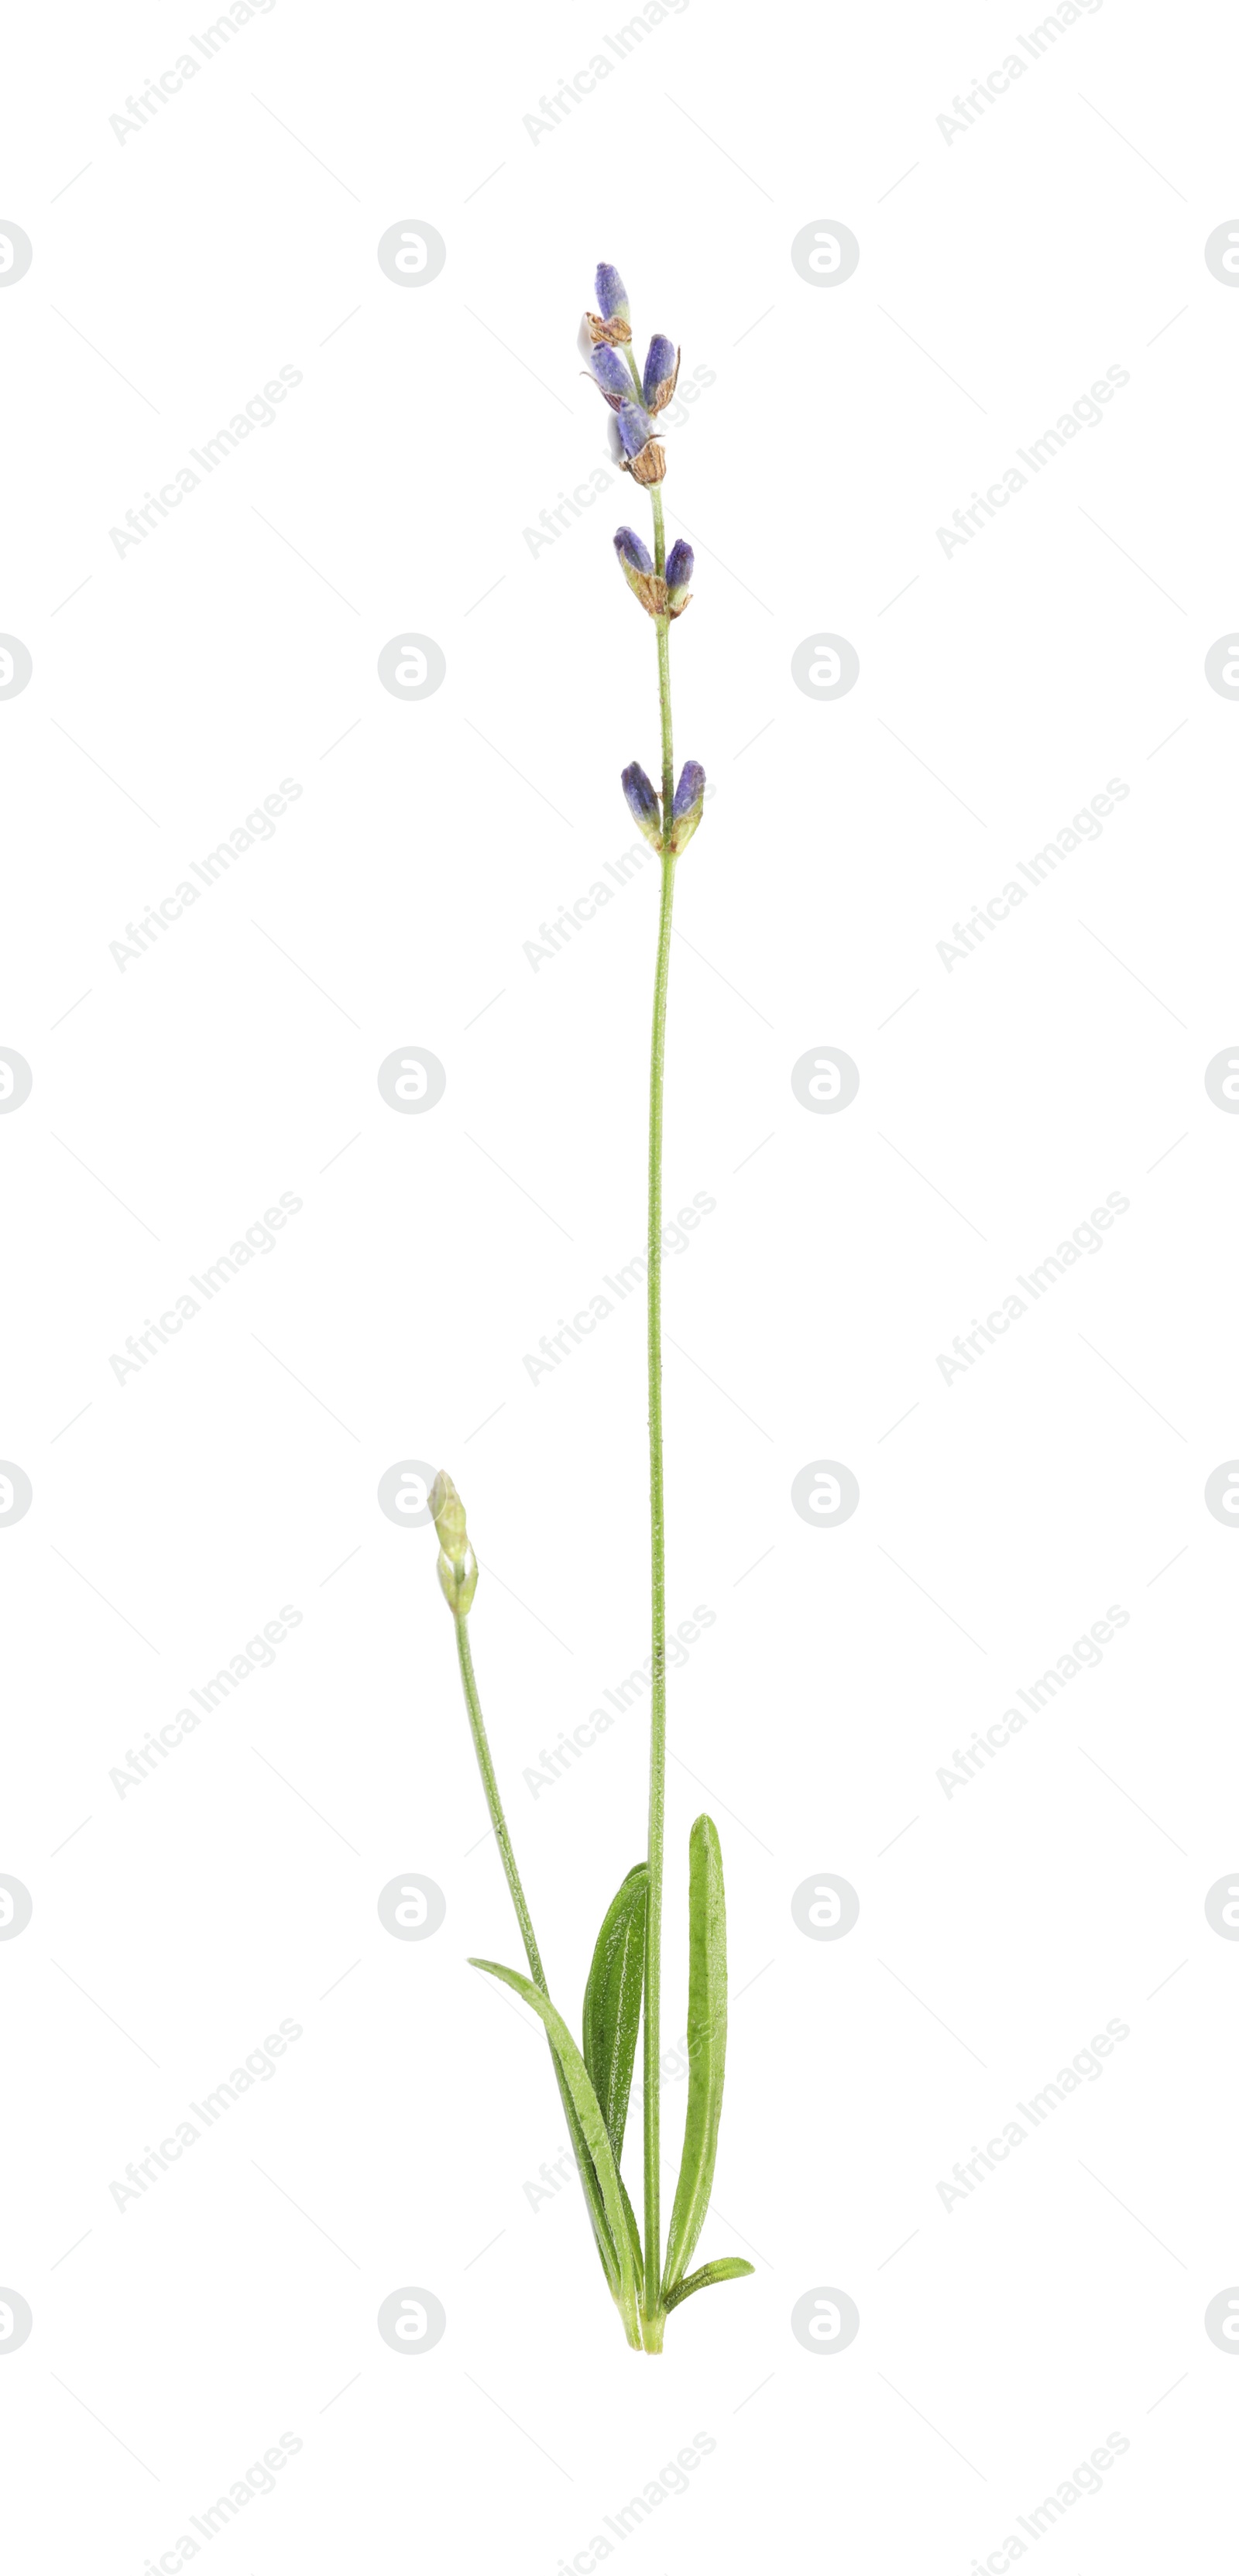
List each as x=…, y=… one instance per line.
x=660, y=566
x=477, y=1724
x=658, y=1671
x=663, y=626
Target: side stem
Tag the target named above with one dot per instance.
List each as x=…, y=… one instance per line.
x=658, y=1673
x=477, y=1726
x=589, y=2179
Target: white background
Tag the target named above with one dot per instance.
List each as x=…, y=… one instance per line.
x=1001, y=273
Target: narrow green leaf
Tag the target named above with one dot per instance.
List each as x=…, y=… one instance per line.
x=730, y=2267
x=707, y=2045
x=584, y=2163
x=596, y=2145
x=613, y=2002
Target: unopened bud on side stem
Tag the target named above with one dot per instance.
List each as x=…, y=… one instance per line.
x=458, y=1566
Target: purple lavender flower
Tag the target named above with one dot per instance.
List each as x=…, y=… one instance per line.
x=610, y=375
x=638, y=570
x=636, y=564
x=662, y=366
x=636, y=429
x=611, y=292
x=642, y=803
x=679, y=575
x=632, y=554
x=686, y=805
x=690, y=791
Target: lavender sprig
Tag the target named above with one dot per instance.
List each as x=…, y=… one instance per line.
x=623, y=1989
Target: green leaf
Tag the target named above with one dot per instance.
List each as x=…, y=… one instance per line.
x=595, y=2156
x=707, y=2045
x=613, y=2002
x=729, y=2267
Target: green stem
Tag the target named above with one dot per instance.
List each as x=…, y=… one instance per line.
x=477, y=1724
x=652, y=2304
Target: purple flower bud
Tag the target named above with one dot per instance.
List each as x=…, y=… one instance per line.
x=611, y=292
x=642, y=803
x=632, y=554
x=690, y=791
x=638, y=570
x=610, y=375
x=662, y=366
x=686, y=805
x=679, y=575
x=636, y=429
